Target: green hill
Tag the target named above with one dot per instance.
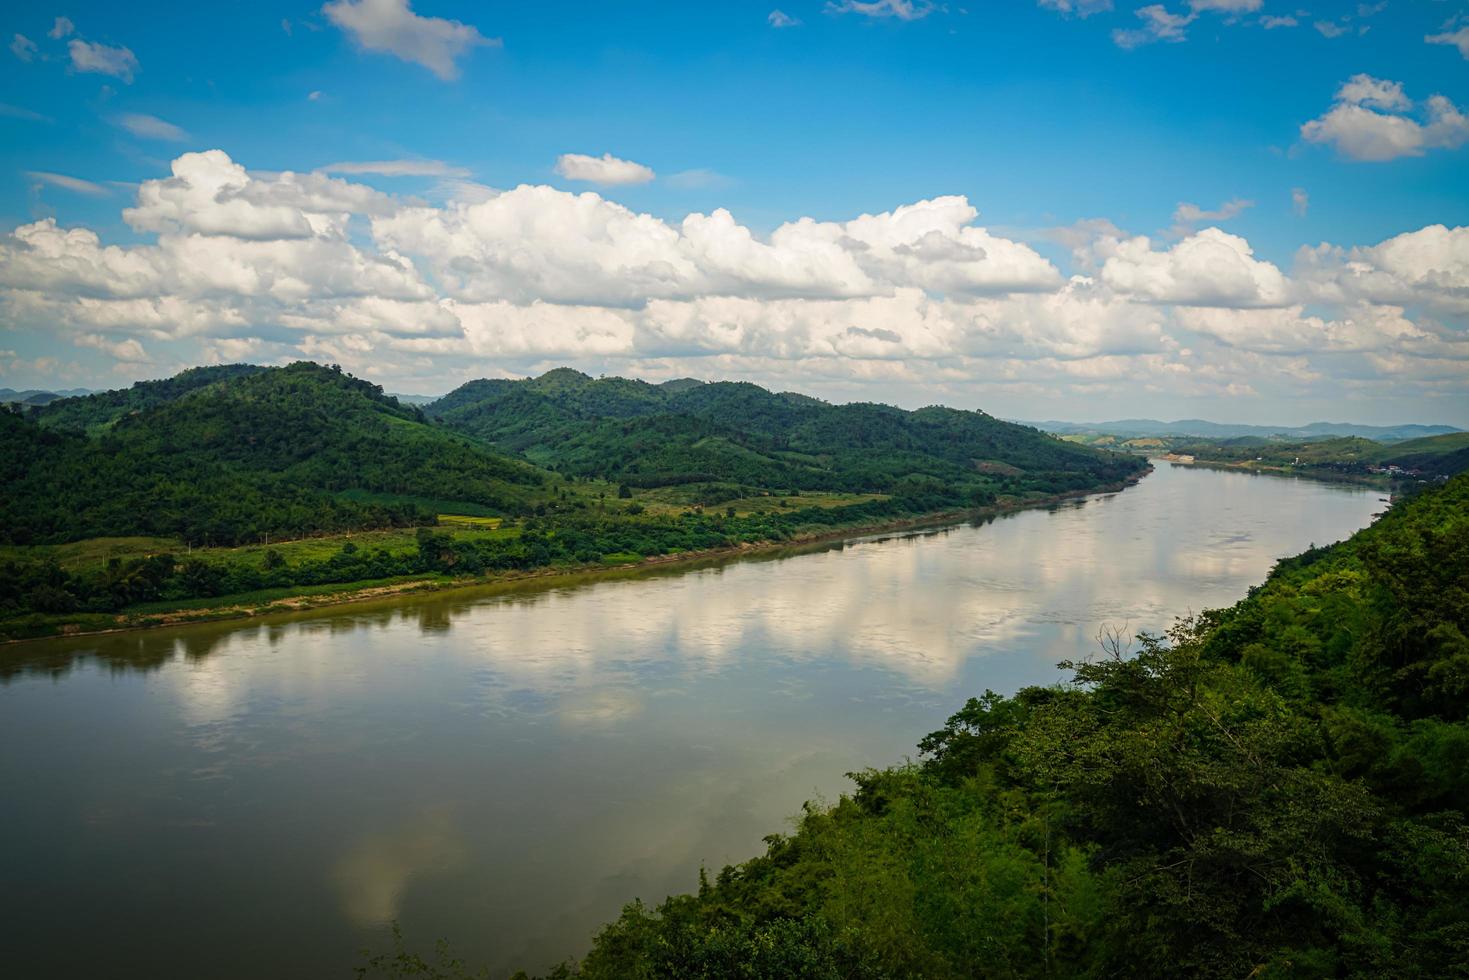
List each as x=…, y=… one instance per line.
x=1429, y=457
x=227, y=455
x=91, y=414
x=691, y=433
x=1442, y=455
x=1279, y=789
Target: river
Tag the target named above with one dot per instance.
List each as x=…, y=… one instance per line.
x=505, y=768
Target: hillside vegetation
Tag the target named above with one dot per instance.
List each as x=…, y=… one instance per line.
x=1279, y=789
x=198, y=490
x=729, y=437
x=1430, y=457
x=227, y=456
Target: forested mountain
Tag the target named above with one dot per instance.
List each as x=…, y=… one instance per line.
x=228, y=455
x=1429, y=457
x=37, y=397
x=1279, y=789
x=96, y=411
x=687, y=432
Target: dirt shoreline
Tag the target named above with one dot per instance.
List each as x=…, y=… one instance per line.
x=347, y=597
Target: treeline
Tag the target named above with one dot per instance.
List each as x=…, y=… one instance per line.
x=692, y=432
x=1432, y=457
x=1279, y=789
x=566, y=537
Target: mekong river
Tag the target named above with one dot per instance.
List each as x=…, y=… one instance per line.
x=506, y=768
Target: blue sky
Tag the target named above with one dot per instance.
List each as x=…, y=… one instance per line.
x=1039, y=117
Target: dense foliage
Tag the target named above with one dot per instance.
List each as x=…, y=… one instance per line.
x=686, y=432
x=276, y=452
x=1277, y=789
x=1432, y=457
x=92, y=413
x=566, y=534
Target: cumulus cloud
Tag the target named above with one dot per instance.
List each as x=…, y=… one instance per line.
x=75, y=184
x=128, y=349
x=119, y=62
x=210, y=194
x=62, y=28
x=606, y=169
x=1427, y=267
x=536, y=241
x=1370, y=120
x=779, y=18
x=151, y=128
x=1208, y=268
x=391, y=26
x=238, y=263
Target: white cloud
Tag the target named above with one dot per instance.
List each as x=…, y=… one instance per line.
x=1271, y=22
x=779, y=18
x=1226, y=6
x=127, y=350
x=1208, y=268
x=899, y=9
x=1078, y=8
x=119, y=62
x=1187, y=216
x=1328, y=29
x=210, y=194
x=23, y=47
x=392, y=26
x=1427, y=267
x=397, y=168
x=1369, y=121
x=1289, y=330
x=1300, y=201
x=1459, y=39
x=62, y=28
x=152, y=128
x=539, y=242
x=605, y=169
x=75, y=184
x=1374, y=92
x=281, y=265
x=1159, y=24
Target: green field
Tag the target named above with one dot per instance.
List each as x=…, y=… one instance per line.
x=94, y=553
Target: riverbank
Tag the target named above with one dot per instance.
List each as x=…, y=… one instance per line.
x=284, y=601
x=1319, y=473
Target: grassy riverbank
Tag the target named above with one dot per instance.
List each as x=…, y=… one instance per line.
x=746, y=526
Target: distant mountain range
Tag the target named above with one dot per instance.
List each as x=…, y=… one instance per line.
x=35, y=396
x=1135, y=428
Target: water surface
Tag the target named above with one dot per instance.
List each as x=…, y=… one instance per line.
x=507, y=768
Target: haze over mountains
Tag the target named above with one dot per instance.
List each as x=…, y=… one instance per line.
x=1134, y=428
